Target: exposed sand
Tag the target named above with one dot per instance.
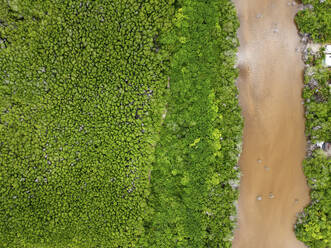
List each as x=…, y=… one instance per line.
x=273, y=188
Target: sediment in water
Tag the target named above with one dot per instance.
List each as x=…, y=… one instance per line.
x=270, y=85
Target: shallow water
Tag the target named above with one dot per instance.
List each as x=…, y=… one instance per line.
x=273, y=187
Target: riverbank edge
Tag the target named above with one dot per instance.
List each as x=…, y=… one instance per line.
x=313, y=223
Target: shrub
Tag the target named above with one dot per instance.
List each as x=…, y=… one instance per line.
x=193, y=189
x=81, y=91
x=315, y=21
x=313, y=225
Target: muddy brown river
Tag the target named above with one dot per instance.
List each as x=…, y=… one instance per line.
x=273, y=187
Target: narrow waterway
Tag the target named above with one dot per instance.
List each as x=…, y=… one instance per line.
x=273, y=187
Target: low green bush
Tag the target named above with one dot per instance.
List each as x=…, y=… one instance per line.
x=316, y=94
x=81, y=91
x=316, y=20
x=194, y=177
x=86, y=158
x=314, y=224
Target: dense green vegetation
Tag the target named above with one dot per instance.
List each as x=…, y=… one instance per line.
x=316, y=21
x=86, y=159
x=317, y=95
x=314, y=224
x=81, y=90
x=194, y=176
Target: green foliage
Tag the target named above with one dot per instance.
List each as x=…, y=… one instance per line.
x=316, y=21
x=314, y=224
x=317, y=100
x=194, y=173
x=84, y=160
x=80, y=98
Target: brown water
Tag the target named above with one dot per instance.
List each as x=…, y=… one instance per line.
x=273, y=188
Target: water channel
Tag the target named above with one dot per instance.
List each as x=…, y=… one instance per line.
x=273, y=187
